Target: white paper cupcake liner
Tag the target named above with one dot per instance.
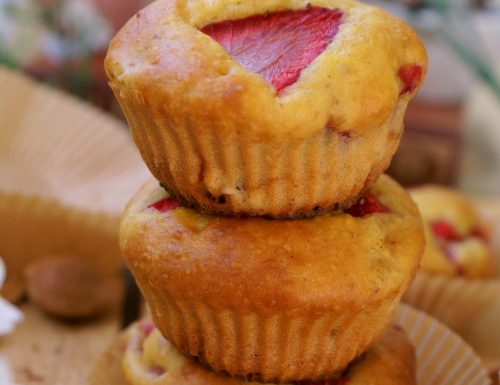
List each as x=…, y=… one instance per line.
x=443, y=358
x=66, y=172
x=32, y=227
x=457, y=302
x=56, y=147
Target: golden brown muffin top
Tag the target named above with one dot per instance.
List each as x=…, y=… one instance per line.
x=353, y=85
x=457, y=239
x=149, y=358
x=328, y=262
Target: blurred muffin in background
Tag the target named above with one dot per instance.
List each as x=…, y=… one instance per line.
x=457, y=240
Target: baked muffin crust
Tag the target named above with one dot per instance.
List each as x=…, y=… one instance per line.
x=278, y=299
x=223, y=138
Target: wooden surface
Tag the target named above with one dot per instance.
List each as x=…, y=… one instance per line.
x=46, y=351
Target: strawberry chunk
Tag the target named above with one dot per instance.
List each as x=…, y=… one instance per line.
x=156, y=371
x=165, y=204
x=278, y=45
x=411, y=76
x=481, y=233
x=147, y=327
x=367, y=205
x=445, y=231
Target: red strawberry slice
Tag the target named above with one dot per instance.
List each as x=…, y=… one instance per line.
x=411, y=76
x=278, y=45
x=444, y=230
x=147, y=327
x=481, y=233
x=165, y=204
x=156, y=371
x=367, y=205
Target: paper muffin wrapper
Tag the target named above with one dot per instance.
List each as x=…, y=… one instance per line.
x=56, y=147
x=241, y=172
x=469, y=307
x=455, y=301
x=268, y=346
x=442, y=357
x=34, y=227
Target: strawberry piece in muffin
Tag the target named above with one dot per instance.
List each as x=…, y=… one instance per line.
x=278, y=45
x=411, y=76
x=369, y=204
x=444, y=230
x=165, y=204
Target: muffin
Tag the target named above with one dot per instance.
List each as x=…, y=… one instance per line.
x=147, y=358
x=273, y=300
x=457, y=239
x=265, y=107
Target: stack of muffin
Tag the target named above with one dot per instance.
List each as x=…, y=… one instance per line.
x=272, y=249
